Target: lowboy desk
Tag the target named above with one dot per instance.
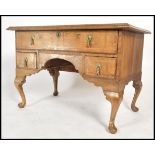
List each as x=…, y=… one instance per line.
x=108, y=55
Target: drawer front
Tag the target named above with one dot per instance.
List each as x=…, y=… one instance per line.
x=76, y=60
x=26, y=60
x=100, y=66
x=91, y=41
x=39, y=40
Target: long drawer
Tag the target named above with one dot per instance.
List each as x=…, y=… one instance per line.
x=100, y=41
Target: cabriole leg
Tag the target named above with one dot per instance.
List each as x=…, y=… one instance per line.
x=115, y=100
x=138, y=86
x=55, y=74
x=19, y=81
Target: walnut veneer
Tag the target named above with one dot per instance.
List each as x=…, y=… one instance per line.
x=108, y=55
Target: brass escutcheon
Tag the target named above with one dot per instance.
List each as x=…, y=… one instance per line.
x=58, y=34
x=89, y=40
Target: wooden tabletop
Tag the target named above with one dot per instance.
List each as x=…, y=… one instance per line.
x=118, y=26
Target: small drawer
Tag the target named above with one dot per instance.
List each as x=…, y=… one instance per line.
x=39, y=40
x=100, y=41
x=100, y=66
x=26, y=60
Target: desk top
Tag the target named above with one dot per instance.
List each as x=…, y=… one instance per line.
x=118, y=26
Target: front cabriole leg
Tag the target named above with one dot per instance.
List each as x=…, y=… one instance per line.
x=19, y=81
x=138, y=86
x=113, y=91
x=115, y=100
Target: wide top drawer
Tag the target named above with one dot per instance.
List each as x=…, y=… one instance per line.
x=100, y=41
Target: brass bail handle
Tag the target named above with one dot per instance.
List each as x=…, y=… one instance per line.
x=98, y=69
x=26, y=62
x=32, y=40
x=89, y=40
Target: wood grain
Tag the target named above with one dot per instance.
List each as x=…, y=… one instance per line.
x=41, y=40
x=118, y=26
x=107, y=66
x=21, y=59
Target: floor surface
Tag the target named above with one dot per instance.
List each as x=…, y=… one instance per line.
x=80, y=110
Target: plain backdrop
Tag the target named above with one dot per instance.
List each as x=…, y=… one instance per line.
x=79, y=7
x=80, y=110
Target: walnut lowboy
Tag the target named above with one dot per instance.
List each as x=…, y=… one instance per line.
x=108, y=55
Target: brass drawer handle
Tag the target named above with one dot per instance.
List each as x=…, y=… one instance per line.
x=32, y=40
x=98, y=69
x=26, y=62
x=58, y=34
x=89, y=40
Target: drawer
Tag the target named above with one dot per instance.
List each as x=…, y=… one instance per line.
x=91, y=41
x=26, y=60
x=39, y=40
x=100, y=66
